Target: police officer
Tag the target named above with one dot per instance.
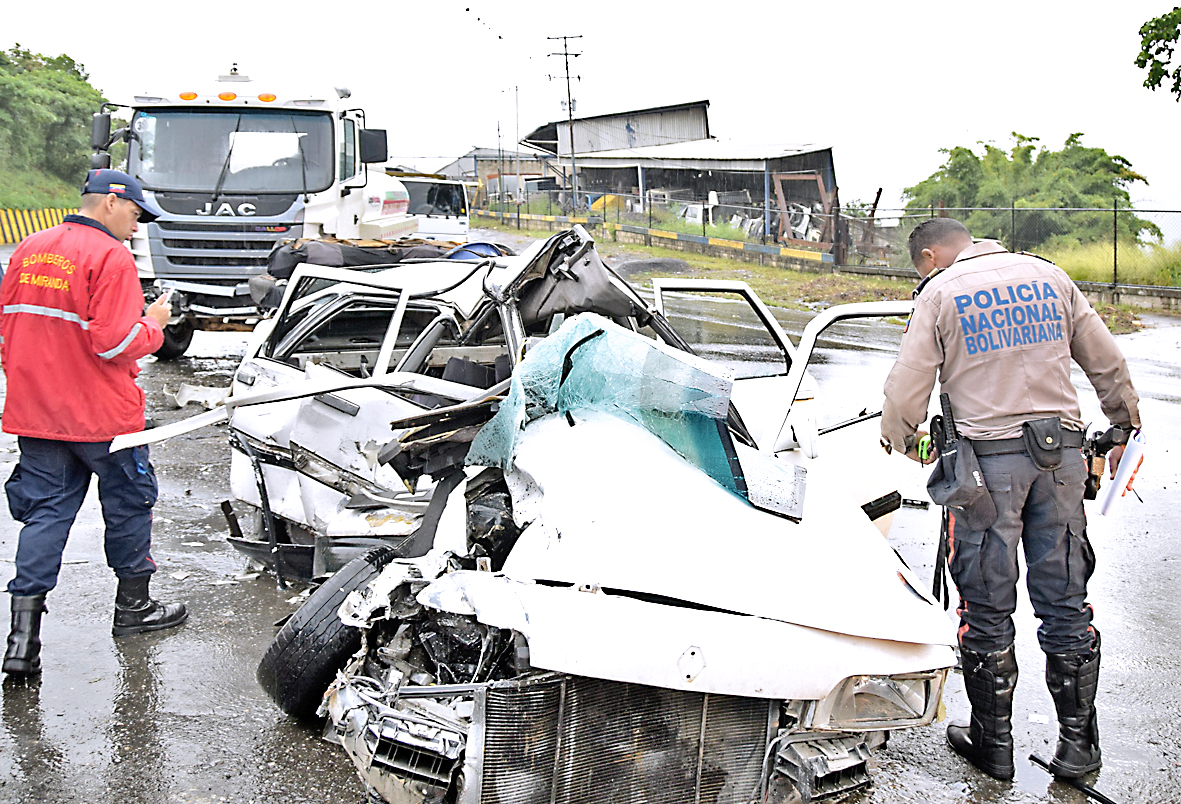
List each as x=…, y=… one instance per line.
x=73, y=326
x=999, y=330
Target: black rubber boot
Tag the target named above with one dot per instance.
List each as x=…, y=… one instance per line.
x=987, y=743
x=1073, y=679
x=23, y=657
x=136, y=612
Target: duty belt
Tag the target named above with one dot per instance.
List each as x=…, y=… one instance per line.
x=1006, y=446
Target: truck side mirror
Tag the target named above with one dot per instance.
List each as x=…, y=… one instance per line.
x=100, y=130
x=100, y=161
x=373, y=146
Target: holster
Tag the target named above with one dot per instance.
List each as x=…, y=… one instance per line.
x=1043, y=442
x=957, y=482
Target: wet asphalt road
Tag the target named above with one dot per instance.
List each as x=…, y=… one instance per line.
x=178, y=717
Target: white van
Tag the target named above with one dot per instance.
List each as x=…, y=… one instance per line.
x=440, y=206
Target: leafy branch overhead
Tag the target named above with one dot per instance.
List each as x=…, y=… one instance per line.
x=1055, y=192
x=1158, y=38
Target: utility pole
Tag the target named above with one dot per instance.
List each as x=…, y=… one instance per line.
x=517, y=150
x=566, y=54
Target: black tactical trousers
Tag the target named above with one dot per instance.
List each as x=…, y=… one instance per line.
x=1042, y=511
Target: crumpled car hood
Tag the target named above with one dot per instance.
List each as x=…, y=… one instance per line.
x=585, y=632
x=610, y=504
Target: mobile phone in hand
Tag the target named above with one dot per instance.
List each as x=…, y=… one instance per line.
x=166, y=295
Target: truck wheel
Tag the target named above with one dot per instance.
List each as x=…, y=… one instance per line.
x=177, y=338
x=311, y=646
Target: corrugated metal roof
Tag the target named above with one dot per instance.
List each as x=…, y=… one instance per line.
x=674, y=107
x=720, y=154
x=670, y=123
x=634, y=130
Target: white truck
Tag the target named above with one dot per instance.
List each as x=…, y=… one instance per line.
x=238, y=166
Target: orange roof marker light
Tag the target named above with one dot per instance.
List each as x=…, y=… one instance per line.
x=188, y=96
x=266, y=97
x=226, y=96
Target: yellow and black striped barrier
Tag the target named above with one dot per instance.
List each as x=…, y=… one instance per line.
x=17, y=224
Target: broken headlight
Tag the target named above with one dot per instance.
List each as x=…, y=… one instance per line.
x=868, y=703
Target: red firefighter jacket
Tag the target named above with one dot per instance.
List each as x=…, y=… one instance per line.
x=72, y=323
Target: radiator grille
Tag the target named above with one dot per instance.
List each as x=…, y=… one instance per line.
x=520, y=742
x=187, y=226
x=623, y=743
x=242, y=245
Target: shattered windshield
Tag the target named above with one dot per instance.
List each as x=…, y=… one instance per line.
x=249, y=150
x=593, y=364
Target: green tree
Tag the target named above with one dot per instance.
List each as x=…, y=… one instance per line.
x=1158, y=37
x=1052, y=192
x=45, y=109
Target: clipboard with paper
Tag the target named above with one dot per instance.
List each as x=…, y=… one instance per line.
x=1125, y=475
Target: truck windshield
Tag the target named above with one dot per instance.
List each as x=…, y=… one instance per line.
x=434, y=198
x=250, y=150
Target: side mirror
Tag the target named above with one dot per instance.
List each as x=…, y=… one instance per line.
x=100, y=161
x=373, y=146
x=100, y=130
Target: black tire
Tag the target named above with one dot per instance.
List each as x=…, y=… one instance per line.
x=311, y=646
x=177, y=338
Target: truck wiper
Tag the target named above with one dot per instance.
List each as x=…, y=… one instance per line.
x=221, y=177
x=303, y=161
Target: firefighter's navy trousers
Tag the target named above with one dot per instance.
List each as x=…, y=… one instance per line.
x=46, y=490
x=1042, y=511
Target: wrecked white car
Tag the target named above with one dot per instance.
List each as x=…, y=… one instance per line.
x=630, y=592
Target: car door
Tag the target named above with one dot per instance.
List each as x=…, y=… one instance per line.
x=726, y=321
x=849, y=350
x=317, y=448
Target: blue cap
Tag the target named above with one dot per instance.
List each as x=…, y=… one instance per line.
x=106, y=181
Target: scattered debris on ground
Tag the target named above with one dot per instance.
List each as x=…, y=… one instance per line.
x=1120, y=320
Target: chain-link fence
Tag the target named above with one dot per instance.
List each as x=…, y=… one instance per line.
x=1114, y=245
x=726, y=216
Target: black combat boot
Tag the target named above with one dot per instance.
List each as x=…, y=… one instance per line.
x=988, y=742
x=136, y=612
x=23, y=657
x=1073, y=679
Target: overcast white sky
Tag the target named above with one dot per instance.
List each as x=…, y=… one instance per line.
x=886, y=84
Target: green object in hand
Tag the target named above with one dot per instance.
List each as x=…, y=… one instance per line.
x=924, y=448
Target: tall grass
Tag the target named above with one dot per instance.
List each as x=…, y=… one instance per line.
x=1138, y=264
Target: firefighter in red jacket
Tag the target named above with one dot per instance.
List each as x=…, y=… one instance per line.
x=73, y=326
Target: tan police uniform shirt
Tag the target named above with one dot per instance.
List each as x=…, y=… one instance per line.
x=999, y=330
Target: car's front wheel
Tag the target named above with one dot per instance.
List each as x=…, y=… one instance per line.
x=314, y=644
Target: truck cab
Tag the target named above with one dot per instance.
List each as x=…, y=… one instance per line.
x=238, y=167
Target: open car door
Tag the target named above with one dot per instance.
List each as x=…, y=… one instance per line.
x=726, y=321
